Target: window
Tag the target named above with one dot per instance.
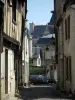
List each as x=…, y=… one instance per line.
x=8, y=1
x=68, y=68
x=14, y=10
x=69, y=75
x=6, y=71
x=67, y=28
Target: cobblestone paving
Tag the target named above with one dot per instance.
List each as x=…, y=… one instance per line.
x=50, y=99
x=42, y=92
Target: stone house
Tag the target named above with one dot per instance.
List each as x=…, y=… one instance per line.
x=47, y=45
x=48, y=55
x=64, y=24
x=12, y=20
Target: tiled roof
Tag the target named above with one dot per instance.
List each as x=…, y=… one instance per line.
x=52, y=20
x=38, y=31
x=51, y=24
x=45, y=41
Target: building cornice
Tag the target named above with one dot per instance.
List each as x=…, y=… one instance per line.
x=68, y=3
x=10, y=39
x=65, y=6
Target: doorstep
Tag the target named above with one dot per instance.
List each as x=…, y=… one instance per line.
x=6, y=97
x=15, y=98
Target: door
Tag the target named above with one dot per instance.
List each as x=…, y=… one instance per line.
x=3, y=73
x=6, y=71
x=11, y=72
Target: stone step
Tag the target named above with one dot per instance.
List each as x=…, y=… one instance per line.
x=13, y=98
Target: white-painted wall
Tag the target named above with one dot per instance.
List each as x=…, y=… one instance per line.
x=30, y=47
x=37, y=61
x=49, y=54
x=25, y=60
x=49, y=59
x=36, y=50
x=11, y=73
x=3, y=73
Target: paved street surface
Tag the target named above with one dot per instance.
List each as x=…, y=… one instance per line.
x=42, y=92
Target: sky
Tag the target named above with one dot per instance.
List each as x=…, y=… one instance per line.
x=39, y=11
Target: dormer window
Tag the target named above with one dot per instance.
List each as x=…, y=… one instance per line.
x=67, y=28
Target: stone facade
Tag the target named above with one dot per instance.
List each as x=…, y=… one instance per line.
x=12, y=16
x=66, y=46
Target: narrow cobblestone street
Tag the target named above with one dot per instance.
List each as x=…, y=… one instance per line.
x=42, y=92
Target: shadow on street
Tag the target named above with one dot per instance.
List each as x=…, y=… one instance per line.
x=38, y=92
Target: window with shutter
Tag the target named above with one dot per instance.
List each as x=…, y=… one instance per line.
x=69, y=75
x=67, y=28
x=66, y=68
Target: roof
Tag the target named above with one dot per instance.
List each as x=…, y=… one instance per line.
x=45, y=41
x=52, y=20
x=51, y=24
x=38, y=31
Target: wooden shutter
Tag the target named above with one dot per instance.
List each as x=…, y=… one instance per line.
x=68, y=22
x=65, y=29
x=67, y=68
x=70, y=68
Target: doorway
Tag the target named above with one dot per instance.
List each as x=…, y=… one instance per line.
x=6, y=71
